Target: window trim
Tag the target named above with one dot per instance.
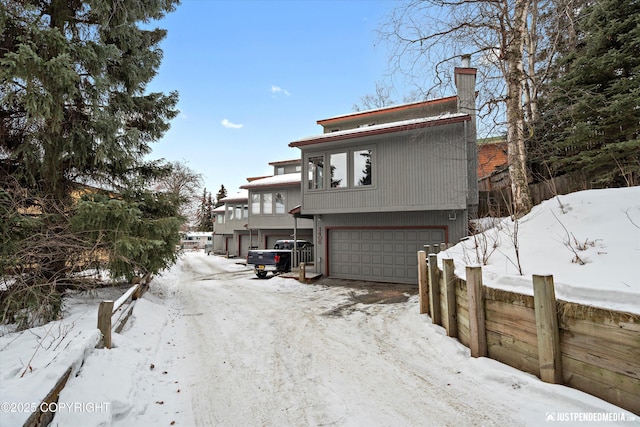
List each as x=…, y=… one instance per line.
x=326, y=179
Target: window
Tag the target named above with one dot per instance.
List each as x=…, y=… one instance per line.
x=280, y=171
x=338, y=168
x=255, y=204
x=316, y=173
x=220, y=219
x=230, y=212
x=298, y=168
x=280, y=203
x=362, y=168
x=267, y=206
x=238, y=211
x=245, y=211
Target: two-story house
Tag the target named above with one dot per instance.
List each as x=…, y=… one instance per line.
x=231, y=229
x=271, y=201
x=380, y=184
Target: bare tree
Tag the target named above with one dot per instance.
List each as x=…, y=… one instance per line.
x=186, y=184
x=514, y=43
x=380, y=99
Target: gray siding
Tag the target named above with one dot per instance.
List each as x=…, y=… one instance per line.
x=355, y=120
x=424, y=169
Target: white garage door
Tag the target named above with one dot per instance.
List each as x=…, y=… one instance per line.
x=382, y=255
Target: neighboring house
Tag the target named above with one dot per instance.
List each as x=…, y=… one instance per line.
x=380, y=184
x=231, y=234
x=195, y=240
x=219, y=219
x=271, y=203
x=493, y=164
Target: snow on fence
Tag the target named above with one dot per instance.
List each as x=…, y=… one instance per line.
x=111, y=316
x=587, y=348
x=114, y=315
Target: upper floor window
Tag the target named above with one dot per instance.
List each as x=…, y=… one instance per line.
x=230, y=212
x=280, y=203
x=347, y=169
x=238, y=211
x=362, y=168
x=220, y=219
x=280, y=171
x=316, y=173
x=338, y=169
x=267, y=203
x=255, y=204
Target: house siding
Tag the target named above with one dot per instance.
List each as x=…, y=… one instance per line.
x=414, y=111
x=424, y=169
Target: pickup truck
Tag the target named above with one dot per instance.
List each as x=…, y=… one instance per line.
x=269, y=260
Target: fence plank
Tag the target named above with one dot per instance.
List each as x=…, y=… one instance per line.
x=450, y=298
x=477, y=330
x=423, y=287
x=434, y=289
x=549, y=354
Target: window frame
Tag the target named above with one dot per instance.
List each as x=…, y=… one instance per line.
x=351, y=183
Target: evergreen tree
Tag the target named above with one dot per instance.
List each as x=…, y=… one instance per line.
x=590, y=119
x=74, y=111
x=222, y=193
x=204, y=213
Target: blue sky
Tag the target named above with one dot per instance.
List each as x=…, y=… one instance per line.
x=254, y=75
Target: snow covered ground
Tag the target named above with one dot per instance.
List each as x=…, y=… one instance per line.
x=212, y=345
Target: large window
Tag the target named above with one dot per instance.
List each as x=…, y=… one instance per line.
x=362, y=172
x=255, y=204
x=338, y=165
x=230, y=212
x=316, y=173
x=280, y=203
x=238, y=211
x=267, y=204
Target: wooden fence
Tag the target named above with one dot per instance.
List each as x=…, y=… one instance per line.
x=112, y=316
x=587, y=348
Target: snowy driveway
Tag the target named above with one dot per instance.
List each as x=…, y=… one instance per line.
x=212, y=345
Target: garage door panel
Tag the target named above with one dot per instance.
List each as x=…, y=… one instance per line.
x=379, y=254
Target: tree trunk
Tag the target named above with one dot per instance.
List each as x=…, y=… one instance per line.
x=515, y=113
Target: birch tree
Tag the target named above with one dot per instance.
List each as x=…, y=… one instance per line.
x=511, y=47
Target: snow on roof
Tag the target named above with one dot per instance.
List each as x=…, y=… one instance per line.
x=221, y=208
x=239, y=196
x=276, y=180
x=381, y=128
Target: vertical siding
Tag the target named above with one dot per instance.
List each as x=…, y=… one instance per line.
x=425, y=169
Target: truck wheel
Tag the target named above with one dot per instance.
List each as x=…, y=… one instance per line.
x=261, y=274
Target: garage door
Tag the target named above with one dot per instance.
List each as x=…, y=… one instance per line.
x=382, y=255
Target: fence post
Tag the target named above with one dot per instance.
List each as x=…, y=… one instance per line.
x=477, y=330
x=423, y=287
x=549, y=355
x=450, y=298
x=434, y=289
x=104, y=321
x=301, y=273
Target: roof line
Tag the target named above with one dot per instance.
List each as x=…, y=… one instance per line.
x=392, y=108
x=327, y=137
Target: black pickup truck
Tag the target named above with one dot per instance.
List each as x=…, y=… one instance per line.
x=269, y=260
